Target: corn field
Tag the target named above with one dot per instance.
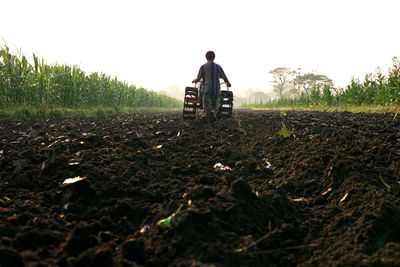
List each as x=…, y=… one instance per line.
x=42, y=85
x=376, y=89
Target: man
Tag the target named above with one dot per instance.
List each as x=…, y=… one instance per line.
x=210, y=73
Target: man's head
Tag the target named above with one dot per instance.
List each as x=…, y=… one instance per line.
x=210, y=55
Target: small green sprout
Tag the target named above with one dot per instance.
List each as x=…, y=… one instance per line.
x=386, y=184
x=285, y=132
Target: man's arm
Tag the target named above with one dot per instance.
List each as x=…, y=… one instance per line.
x=223, y=76
x=199, y=75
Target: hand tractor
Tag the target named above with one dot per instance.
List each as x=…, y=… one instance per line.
x=193, y=101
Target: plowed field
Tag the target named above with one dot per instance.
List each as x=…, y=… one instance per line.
x=326, y=195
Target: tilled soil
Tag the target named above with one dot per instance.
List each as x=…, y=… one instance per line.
x=327, y=194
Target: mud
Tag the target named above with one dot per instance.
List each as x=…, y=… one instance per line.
x=327, y=194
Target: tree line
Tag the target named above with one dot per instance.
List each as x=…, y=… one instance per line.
x=311, y=89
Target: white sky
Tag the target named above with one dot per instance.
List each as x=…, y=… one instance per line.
x=159, y=43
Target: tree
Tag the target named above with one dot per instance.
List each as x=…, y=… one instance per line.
x=281, y=79
x=309, y=80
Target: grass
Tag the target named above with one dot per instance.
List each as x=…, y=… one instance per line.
x=28, y=113
x=353, y=109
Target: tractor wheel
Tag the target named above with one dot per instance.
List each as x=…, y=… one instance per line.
x=226, y=106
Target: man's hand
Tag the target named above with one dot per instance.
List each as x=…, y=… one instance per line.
x=194, y=81
x=228, y=84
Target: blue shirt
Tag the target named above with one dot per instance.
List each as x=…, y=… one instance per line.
x=211, y=73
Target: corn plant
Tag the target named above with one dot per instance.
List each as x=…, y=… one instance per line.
x=42, y=85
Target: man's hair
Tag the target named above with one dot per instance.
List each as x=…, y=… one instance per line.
x=210, y=55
